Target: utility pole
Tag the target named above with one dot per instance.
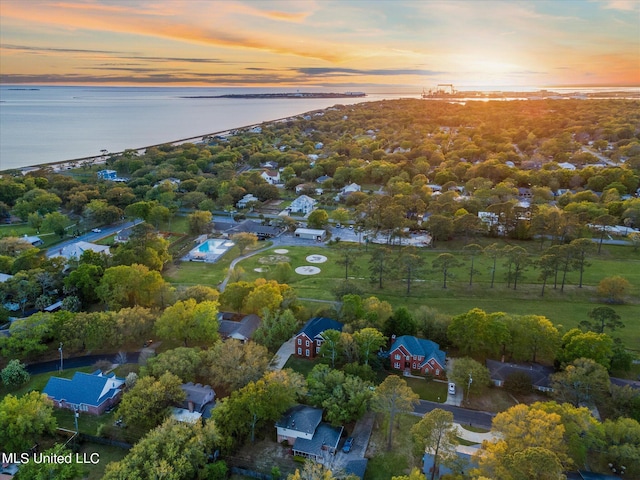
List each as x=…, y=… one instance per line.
x=75, y=417
x=60, y=350
x=469, y=386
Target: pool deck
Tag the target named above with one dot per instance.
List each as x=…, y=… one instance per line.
x=210, y=256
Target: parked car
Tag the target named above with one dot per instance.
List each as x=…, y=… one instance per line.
x=452, y=388
x=348, y=443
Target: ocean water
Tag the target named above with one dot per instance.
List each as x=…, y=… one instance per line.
x=43, y=124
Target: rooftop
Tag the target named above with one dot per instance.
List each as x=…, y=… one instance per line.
x=301, y=418
x=420, y=346
x=317, y=325
x=84, y=388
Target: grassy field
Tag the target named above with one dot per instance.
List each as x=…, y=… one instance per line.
x=432, y=391
x=39, y=381
x=300, y=365
x=566, y=308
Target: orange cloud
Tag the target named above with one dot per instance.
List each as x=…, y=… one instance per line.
x=128, y=21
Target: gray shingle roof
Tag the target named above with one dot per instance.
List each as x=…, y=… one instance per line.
x=242, y=329
x=539, y=374
x=246, y=226
x=325, y=436
x=198, y=394
x=301, y=418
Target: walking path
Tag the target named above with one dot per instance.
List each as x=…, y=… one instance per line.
x=235, y=261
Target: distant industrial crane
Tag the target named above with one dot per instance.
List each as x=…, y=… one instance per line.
x=450, y=85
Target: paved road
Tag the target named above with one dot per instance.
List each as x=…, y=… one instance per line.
x=77, y=362
x=460, y=415
x=91, y=236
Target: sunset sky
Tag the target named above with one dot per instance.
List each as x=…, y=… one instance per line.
x=342, y=43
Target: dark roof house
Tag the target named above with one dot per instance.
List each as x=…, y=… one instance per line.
x=242, y=330
x=309, y=339
x=302, y=427
x=92, y=393
x=197, y=396
x=249, y=226
x=412, y=353
x=539, y=374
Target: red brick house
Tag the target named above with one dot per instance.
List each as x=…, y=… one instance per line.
x=309, y=340
x=417, y=354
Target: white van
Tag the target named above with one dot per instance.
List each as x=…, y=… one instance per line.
x=452, y=388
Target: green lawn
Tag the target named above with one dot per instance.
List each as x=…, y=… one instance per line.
x=566, y=308
x=39, y=381
x=428, y=390
x=87, y=423
x=300, y=365
x=198, y=273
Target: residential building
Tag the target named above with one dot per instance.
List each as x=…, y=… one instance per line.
x=239, y=330
x=351, y=188
x=249, y=226
x=323, y=179
x=123, y=236
x=91, y=393
x=301, y=427
x=539, y=374
x=75, y=250
x=197, y=396
x=309, y=339
x=303, y=204
x=246, y=200
x=271, y=176
x=410, y=353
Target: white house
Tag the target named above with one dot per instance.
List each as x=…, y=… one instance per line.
x=75, y=250
x=567, y=166
x=348, y=190
x=353, y=187
x=303, y=204
x=246, y=200
x=271, y=176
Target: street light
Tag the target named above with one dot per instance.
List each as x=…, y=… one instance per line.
x=469, y=386
x=60, y=350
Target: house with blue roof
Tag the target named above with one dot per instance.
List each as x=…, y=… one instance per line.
x=87, y=392
x=411, y=354
x=309, y=339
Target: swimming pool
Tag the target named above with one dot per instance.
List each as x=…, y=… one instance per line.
x=209, y=250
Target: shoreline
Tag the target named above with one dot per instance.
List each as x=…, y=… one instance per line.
x=102, y=158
